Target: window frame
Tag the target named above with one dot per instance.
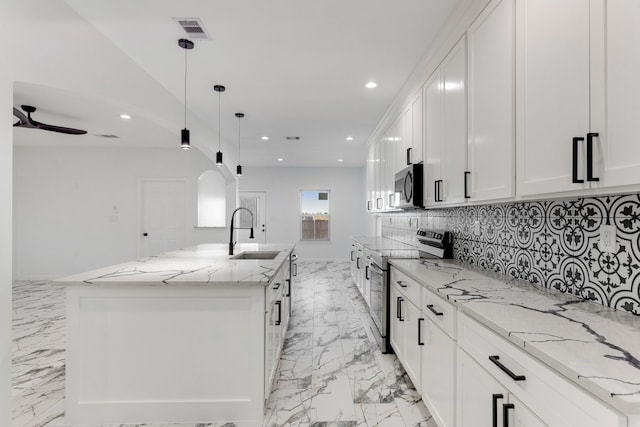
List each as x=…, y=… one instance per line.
x=301, y=214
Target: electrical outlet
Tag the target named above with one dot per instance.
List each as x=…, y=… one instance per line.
x=608, y=238
x=476, y=228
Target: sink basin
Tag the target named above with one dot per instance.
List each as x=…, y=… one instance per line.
x=256, y=255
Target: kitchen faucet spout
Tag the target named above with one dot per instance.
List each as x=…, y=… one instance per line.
x=231, y=242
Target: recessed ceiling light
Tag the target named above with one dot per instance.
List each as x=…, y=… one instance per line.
x=349, y=138
x=280, y=159
x=265, y=138
x=340, y=160
x=125, y=116
x=371, y=85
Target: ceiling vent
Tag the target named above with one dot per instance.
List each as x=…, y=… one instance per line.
x=106, y=135
x=293, y=138
x=193, y=28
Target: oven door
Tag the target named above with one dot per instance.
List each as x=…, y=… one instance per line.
x=378, y=297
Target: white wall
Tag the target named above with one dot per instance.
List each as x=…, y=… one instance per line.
x=6, y=147
x=283, y=186
x=64, y=199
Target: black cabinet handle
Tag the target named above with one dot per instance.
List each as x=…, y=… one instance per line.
x=401, y=284
x=295, y=269
x=369, y=205
x=352, y=256
x=288, y=290
x=438, y=188
x=366, y=273
x=575, y=179
x=358, y=263
x=434, y=311
x=466, y=190
x=590, y=176
x=279, y=321
x=276, y=286
x=420, y=331
x=409, y=156
x=505, y=413
x=496, y=361
x=145, y=234
x=494, y=408
x=400, y=309
x=435, y=190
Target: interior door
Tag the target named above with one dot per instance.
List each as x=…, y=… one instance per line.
x=163, y=218
x=256, y=202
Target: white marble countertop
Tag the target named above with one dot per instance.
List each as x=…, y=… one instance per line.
x=204, y=264
x=387, y=247
x=596, y=347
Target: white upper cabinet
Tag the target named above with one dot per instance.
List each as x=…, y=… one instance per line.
x=445, y=113
x=552, y=93
x=412, y=139
x=491, y=96
x=577, y=95
x=615, y=94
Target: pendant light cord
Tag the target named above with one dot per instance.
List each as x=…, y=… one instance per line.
x=238, y=140
x=185, y=88
x=219, y=124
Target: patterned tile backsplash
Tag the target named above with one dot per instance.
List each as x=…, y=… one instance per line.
x=552, y=243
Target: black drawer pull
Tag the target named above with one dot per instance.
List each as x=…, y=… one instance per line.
x=505, y=413
x=496, y=361
x=288, y=291
x=352, y=256
x=276, y=286
x=494, y=408
x=400, y=299
x=279, y=321
x=366, y=273
x=420, y=331
x=590, y=176
x=434, y=311
x=401, y=283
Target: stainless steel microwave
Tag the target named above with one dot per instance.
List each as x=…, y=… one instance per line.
x=408, y=190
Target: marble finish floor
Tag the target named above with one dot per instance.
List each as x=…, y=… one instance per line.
x=331, y=374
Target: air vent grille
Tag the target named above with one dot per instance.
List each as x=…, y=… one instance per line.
x=293, y=138
x=193, y=28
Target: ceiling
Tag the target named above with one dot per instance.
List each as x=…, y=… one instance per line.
x=294, y=67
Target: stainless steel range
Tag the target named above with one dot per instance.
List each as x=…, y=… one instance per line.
x=431, y=244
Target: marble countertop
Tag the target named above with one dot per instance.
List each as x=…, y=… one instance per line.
x=596, y=347
x=204, y=264
x=387, y=247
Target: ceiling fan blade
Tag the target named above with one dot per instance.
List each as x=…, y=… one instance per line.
x=59, y=129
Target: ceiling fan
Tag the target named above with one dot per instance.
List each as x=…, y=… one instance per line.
x=28, y=122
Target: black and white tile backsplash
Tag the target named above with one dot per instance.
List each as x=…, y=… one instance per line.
x=552, y=243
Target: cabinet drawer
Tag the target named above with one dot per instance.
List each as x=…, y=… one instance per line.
x=408, y=287
x=439, y=311
x=549, y=395
x=275, y=290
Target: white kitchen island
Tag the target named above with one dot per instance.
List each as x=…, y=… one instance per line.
x=178, y=337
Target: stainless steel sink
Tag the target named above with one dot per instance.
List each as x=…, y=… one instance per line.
x=256, y=255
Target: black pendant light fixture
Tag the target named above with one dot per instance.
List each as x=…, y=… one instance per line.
x=239, y=167
x=219, y=89
x=185, y=140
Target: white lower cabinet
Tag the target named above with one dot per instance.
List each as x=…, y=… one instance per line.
x=276, y=322
x=438, y=373
x=412, y=342
x=396, y=322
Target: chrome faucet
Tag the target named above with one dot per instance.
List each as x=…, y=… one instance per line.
x=231, y=242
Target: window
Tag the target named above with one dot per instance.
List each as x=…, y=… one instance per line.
x=211, y=199
x=314, y=215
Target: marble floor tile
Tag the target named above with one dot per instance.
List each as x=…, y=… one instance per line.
x=331, y=372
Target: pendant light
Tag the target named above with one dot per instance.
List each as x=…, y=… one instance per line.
x=185, y=140
x=219, y=89
x=239, y=167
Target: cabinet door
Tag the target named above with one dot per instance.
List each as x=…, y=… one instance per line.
x=269, y=349
x=432, y=94
x=371, y=201
x=377, y=176
x=407, y=135
x=552, y=92
x=397, y=322
x=478, y=394
x=390, y=154
x=416, y=129
x=438, y=373
x=615, y=94
x=454, y=112
x=412, y=343
x=491, y=92
x=519, y=415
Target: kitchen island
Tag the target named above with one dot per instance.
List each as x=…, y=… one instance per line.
x=191, y=335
